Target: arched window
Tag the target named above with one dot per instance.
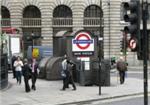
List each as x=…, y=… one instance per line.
x=93, y=22
x=5, y=17
x=31, y=25
x=93, y=19
x=5, y=12
x=62, y=19
x=62, y=11
x=31, y=12
x=93, y=11
x=31, y=17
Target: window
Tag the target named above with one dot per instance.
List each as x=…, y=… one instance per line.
x=31, y=12
x=5, y=12
x=93, y=19
x=62, y=11
x=5, y=22
x=93, y=11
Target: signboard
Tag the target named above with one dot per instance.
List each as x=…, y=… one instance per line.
x=35, y=53
x=83, y=44
x=133, y=43
x=86, y=65
x=15, y=45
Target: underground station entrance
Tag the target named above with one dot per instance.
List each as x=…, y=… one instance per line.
x=82, y=48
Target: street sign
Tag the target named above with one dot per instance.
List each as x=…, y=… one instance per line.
x=35, y=53
x=133, y=43
x=83, y=44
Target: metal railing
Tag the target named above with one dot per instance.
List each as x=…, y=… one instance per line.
x=88, y=21
x=6, y=22
x=31, y=22
x=60, y=22
x=57, y=22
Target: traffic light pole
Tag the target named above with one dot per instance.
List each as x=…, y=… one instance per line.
x=125, y=48
x=99, y=51
x=145, y=48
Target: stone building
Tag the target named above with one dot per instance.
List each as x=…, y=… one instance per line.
x=47, y=17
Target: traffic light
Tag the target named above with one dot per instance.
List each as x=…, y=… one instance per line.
x=134, y=20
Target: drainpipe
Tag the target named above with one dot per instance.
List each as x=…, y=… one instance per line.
x=109, y=27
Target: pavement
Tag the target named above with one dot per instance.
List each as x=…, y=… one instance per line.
x=49, y=93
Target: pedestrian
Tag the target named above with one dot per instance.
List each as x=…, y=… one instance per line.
x=70, y=68
x=13, y=59
x=26, y=71
x=34, y=67
x=18, y=64
x=66, y=74
x=122, y=68
x=63, y=73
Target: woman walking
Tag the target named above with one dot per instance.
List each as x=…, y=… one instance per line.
x=18, y=69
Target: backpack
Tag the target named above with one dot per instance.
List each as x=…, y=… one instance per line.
x=62, y=73
x=121, y=66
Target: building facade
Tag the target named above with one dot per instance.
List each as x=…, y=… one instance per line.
x=47, y=17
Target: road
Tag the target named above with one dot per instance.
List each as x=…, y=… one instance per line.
x=133, y=74
x=130, y=100
x=122, y=101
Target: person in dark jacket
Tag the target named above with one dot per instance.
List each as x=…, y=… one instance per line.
x=63, y=73
x=122, y=68
x=70, y=79
x=27, y=75
x=13, y=68
x=66, y=74
x=34, y=67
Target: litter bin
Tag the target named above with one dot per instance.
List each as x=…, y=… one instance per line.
x=76, y=70
x=104, y=73
x=85, y=74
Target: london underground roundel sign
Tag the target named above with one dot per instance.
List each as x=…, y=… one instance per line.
x=83, y=42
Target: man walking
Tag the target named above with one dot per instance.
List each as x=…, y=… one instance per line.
x=66, y=73
x=34, y=67
x=121, y=67
x=70, y=79
x=27, y=75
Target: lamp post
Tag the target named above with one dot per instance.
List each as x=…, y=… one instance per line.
x=32, y=39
